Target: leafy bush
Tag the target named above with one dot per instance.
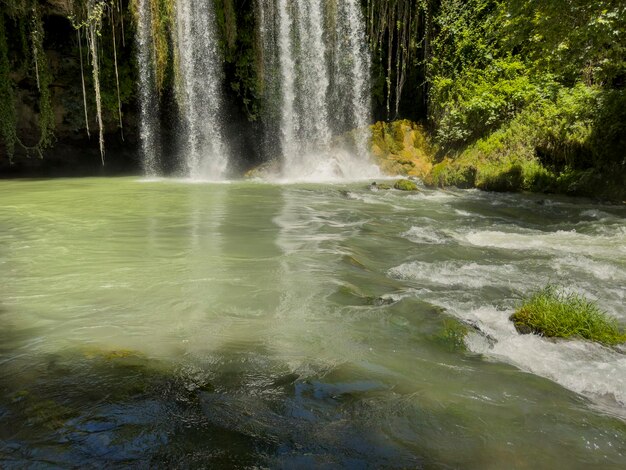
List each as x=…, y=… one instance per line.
x=479, y=100
x=553, y=313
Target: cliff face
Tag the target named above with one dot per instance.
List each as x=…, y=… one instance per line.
x=74, y=142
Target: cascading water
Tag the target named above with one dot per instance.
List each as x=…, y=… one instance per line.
x=148, y=102
x=199, y=80
x=316, y=65
x=352, y=69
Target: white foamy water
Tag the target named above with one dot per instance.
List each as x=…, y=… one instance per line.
x=602, y=271
x=558, y=241
x=457, y=274
x=329, y=166
x=426, y=235
x=590, y=263
x=590, y=369
x=586, y=368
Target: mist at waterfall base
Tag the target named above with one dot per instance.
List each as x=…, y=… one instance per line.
x=316, y=89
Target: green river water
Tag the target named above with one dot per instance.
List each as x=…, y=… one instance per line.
x=165, y=324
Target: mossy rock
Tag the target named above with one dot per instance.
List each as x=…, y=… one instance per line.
x=452, y=335
x=401, y=148
x=405, y=185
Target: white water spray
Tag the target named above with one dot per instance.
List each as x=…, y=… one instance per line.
x=148, y=102
x=199, y=80
x=317, y=67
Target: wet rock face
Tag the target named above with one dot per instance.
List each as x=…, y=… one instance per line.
x=59, y=7
x=73, y=151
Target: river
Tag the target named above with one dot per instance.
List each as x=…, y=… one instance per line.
x=163, y=323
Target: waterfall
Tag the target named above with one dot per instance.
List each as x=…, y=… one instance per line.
x=315, y=83
x=351, y=49
x=199, y=80
x=317, y=67
x=148, y=100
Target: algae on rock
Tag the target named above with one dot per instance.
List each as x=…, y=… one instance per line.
x=401, y=148
x=405, y=185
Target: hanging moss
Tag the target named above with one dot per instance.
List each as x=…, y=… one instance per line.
x=162, y=18
x=27, y=17
x=40, y=61
x=7, y=99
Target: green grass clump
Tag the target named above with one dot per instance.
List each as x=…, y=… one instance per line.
x=551, y=312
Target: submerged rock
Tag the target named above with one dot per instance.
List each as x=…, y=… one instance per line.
x=264, y=171
x=452, y=335
x=351, y=260
x=379, y=186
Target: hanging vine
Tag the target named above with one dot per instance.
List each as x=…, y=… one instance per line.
x=397, y=31
x=117, y=75
x=92, y=13
x=82, y=80
x=27, y=16
x=46, y=115
x=95, y=11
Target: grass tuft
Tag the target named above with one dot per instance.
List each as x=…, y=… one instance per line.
x=553, y=313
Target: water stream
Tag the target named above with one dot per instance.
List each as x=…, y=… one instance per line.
x=148, y=97
x=300, y=325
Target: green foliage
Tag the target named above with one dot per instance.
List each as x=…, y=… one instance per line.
x=562, y=145
x=465, y=34
x=526, y=94
x=553, y=313
x=162, y=19
x=108, y=82
x=478, y=101
x=573, y=38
